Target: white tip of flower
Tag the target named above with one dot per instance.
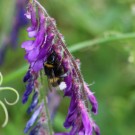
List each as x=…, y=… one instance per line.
x=28, y=15
x=62, y=85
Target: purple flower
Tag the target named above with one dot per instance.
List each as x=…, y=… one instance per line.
x=37, y=50
x=33, y=118
x=68, y=81
x=35, y=130
x=92, y=99
x=29, y=88
x=3, y=50
x=33, y=103
x=78, y=117
x=41, y=131
x=30, y=80
x=96, y=129
x=86, y=120
x=46, y=41
x=18, y=22
x=27, y=76
x=61, y=134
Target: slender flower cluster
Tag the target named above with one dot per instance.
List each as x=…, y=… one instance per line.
x=19, y=21
x=48, y=50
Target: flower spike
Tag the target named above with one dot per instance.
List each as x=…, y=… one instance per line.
x=47, y=51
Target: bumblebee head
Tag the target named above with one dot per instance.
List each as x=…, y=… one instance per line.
x=51, y=59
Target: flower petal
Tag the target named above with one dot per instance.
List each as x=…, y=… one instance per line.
x=28, y=45
x=33, y=118
x=33, y=54
x=37, y=66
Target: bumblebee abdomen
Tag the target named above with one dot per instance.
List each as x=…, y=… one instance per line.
x=48, y=65
x=55, y=81
x=48, y=68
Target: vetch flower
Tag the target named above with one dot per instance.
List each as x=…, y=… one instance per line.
x=92, y=99
x=33, y=118
x=35, y=130
x=37, y=50
x=47, y=51
x=78, y=117
x=19, y=21
x=33, y=103
x=61, y=133
x=30, y=79
x=27, y=76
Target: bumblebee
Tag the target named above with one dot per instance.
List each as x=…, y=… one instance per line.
x=54, y=70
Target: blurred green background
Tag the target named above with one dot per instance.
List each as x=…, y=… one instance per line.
x=110, y=65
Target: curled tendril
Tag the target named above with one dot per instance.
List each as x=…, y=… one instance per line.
x=7, y=102
x=6, y=114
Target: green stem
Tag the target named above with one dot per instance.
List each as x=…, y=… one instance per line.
x=47, y=114
x=44, y=97
x=75, y=48
x=99, y=41
x=15, y=74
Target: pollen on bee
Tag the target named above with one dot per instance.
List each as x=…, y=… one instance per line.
x=62, y=85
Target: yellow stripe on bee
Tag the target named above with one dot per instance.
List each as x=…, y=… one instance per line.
x=55, y=79
x=48, y=65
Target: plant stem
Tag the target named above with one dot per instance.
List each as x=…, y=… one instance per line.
x=99, y=41
x=15, y=74
x=44, y=96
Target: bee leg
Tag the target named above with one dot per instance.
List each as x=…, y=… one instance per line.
x=62, y=85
